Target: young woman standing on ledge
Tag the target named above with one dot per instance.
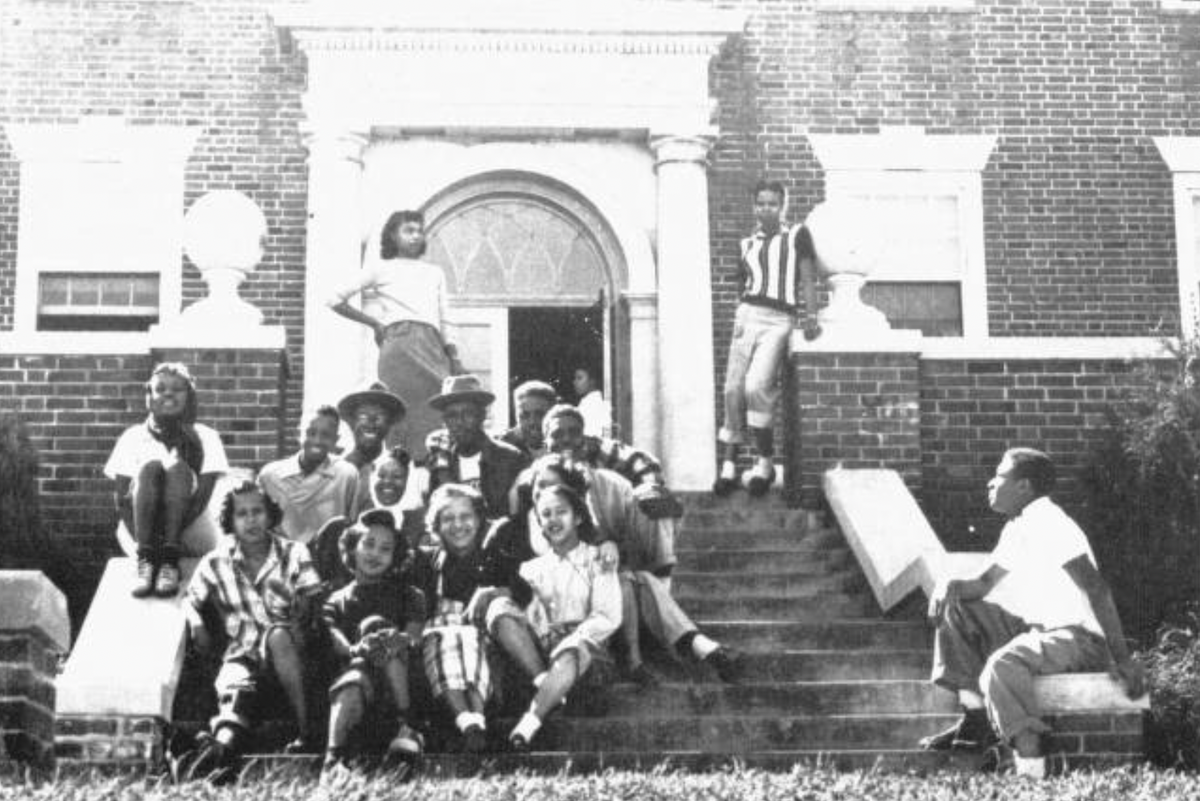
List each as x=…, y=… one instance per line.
x=404, y=303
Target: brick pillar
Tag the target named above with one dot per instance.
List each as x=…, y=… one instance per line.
x=34, y=630
x=851, y=407
x=242, y=396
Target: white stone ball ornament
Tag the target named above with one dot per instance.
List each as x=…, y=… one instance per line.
x=849, y=246
x=223, y=235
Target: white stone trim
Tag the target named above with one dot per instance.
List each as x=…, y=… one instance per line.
x=1007, y=348
x=102, y=139
x=529, y=24
x=262, y=337
x=1041, y=348
x=903, y=148
x=164, y=148
x=895, y=5
x=1185, y=6
x=907, y=159
x=101, y=343
x=1182, y=156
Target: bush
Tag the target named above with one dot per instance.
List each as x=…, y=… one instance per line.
x=1173, y=671
x=20, y=530
x=1143, y=487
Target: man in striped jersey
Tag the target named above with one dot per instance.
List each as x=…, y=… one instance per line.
x=776, y=273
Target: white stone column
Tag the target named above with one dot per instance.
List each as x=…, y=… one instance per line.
x=334, y=256
x=643, y=370
x=686, y=411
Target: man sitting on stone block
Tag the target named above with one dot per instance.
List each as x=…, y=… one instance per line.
x=1039, y=607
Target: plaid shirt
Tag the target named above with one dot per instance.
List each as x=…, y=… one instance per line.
x=637, y=466
x=248, y=605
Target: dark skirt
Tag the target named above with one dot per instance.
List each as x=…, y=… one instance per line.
x=412, y=363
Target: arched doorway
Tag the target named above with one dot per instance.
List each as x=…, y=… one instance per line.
x=535, y=277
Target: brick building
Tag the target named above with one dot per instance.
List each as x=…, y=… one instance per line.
x=1035, y=165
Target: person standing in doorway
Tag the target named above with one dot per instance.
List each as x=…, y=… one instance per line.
x=404, y=304
x=597, y=416
x=776, y=277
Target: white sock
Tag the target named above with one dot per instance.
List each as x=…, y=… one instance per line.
x=970, y=700
x=539, y=678
x=1034, y=767
x=763, y=466
x=728, y=470
x=702, y=646
x=464, y=720
x=479, y=720
x=527, y=726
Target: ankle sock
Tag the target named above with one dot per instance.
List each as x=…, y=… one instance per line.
x=527, y=726
x=464, y=720
x=703, y=647
x=728, y=470
x=1034, y=767
x=970, y=700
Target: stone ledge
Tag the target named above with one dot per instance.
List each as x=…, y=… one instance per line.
x=32, y=602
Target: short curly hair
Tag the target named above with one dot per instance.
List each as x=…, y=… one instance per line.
x=245, y=487
x=348, y=541
x=444, y=495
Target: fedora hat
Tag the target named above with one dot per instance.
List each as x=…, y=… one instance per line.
x=392, y=405
x=464, y=387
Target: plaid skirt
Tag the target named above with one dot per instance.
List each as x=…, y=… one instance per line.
x=455, y=653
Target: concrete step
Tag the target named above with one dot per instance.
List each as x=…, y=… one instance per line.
x=701, y=519
x=775, y=583
x=815, y=608
x=800, y=559
x=742, y=538
x=674, y=699
x=845, y=635
x=693, y=501
x=822, y=665
x=734, y=734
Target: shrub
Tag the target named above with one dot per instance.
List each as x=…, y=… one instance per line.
x=1143, y=488
x=1173, y=670
x=20, y=530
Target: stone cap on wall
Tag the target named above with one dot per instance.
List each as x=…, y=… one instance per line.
x=30, y=602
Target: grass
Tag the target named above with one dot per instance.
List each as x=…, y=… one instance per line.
x=802, y=784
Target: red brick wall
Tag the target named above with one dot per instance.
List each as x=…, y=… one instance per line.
x=852, y=410
x=1077, y=201
x=218, y=64
x=972, y=411
x=75, y=407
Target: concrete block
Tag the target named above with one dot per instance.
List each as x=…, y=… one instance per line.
x=886, y=530
x=31, y=602
x=130, y=652
x=1085, y=692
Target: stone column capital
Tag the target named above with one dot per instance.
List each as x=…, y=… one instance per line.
x=326, y=143
x=675, y=148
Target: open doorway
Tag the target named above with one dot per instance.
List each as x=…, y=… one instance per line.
x=548, y=344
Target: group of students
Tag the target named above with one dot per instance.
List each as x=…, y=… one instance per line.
x=531, y=549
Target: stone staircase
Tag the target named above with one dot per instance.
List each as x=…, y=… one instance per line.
x=828, y=678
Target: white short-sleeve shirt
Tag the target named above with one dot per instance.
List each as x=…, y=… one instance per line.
x=1033, y=548
x=137, y=445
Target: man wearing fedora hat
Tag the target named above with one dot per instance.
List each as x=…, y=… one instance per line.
x=463, y=453
x=370, y=413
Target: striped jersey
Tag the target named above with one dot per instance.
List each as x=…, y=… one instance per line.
x=771, y=267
